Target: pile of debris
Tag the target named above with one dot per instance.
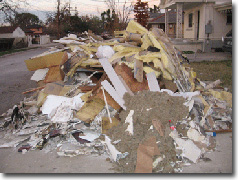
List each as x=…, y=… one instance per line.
x=134, y=97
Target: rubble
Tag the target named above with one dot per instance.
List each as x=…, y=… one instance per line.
x=136, y=100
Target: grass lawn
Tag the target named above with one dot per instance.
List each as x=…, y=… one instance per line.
x=15, y=50
x=214, y=70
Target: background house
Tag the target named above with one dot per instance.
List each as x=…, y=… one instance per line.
x=205, y=22
x=158, y=20
x=12, y=37
x=35, y=31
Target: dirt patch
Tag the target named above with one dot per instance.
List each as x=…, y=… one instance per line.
x=148, y=106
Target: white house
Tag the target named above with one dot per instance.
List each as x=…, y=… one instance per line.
x=12, y=36
x=205, y=22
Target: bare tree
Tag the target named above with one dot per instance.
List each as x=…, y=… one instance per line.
x=9, y=9
x=121, y=9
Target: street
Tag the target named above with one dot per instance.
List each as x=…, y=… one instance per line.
x=15, y=77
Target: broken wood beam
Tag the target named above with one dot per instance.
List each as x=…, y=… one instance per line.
x=138, y=70
x=119, y=87
x=33, y=90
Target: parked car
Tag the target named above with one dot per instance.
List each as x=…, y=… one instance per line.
x=227, y=42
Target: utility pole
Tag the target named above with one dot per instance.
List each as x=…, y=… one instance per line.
x=58, y=21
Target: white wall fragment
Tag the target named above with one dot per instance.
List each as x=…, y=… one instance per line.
x=39, y=74
x=60, y=109
x=129, y=120
x=195, y=135
x=189, y=104
x=89, y=135
x=190, y=150
x=112, y=150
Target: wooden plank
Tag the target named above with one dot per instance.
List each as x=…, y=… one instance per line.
x=113, y=93
x=138, y=70
x=119, y=87
x=152, y=82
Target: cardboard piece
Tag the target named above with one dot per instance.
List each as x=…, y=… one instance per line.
x=159, y=127
x=54, y=74
x=145, y=154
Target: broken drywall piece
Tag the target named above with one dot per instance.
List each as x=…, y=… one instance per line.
x=129, y=119
x=190, y=150
x=53, y=102
x=152, y=82
x=189, y=104
x=185, y=95
x=112, y=150
x=195, y=135
x=105, y=52
x=63, y=113
x=119, y=87
x=89, y=135
x=113, y=93
x=39, y=74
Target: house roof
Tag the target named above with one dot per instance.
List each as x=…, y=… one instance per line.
x=160, y=17
x=7, y=29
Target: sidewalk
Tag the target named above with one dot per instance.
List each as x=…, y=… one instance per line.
x=43, y=45
x=211, y=56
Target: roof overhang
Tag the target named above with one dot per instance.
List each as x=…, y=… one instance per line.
x=223, y=7
x=171, y=4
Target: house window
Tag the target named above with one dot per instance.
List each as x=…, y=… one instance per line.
x=190, y=20
x=229, y=16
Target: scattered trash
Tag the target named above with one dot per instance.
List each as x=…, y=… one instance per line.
x=136, y=100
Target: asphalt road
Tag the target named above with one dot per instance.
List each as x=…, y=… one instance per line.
x=15, y=77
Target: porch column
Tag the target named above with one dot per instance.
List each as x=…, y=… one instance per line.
x=166, y=22
x=179, y=21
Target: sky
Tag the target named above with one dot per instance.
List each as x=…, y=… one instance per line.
x=89, y=7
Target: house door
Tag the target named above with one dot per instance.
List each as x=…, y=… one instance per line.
x=198, y=25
